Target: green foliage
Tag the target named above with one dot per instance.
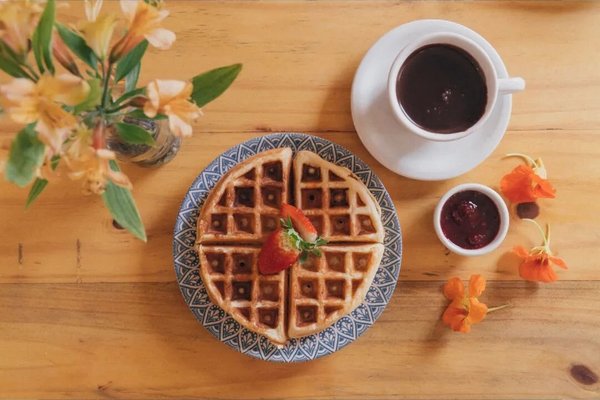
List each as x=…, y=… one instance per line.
x=40, y=184
x=137, y=113
x=93, y=98
x=134, y=134
x=130, y=61
x=131, y=78
x=41, y=42
x=78, y=46
x=9, y=62
x=26, y=156
x=210, y=85
x=121, y=205
x=36, y=189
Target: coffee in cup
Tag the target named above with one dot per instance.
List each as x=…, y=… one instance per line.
x=444, y=86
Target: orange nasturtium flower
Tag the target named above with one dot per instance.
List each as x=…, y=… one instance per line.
x=464, y=308
x=537, y=263
x=528, y=182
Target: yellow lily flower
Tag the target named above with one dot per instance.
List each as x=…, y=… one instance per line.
x=144, y=22
x=171, y=98
x=91, y=164
x=63, y=55
x=92, y=9
x=26, y=102
x=97, y=34
x=18, y=19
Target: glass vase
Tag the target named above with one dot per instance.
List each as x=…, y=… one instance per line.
x=164, y=149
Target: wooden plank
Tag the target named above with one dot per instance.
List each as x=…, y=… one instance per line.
x=41, y=244
x=132, y=341
x=300, y=57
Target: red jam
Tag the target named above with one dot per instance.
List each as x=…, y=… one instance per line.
x=470, y=219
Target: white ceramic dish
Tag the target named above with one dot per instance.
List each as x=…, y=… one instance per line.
x=392, y=144
x=502, y=209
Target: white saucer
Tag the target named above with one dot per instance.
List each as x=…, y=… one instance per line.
x=395, y=147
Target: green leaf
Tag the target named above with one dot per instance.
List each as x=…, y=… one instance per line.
x=54, y=162
x=26, y=155
x=137, y=113
x=78, y=46
x=11, y=68
x=131, y=78
x=9, y=62
x=210, y=85
x=130, y=60
x=130, y=94
x=121, y=205
x=36, y=189
x=93, y=98
x=134, y=134
x=42, y=38
x=40, y=183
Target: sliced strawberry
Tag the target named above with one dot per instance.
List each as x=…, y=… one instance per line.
x=278, y=252
x=302, y=224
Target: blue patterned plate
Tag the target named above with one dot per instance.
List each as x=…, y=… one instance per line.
x=224, y=327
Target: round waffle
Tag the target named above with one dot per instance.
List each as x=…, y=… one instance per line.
x=243, y=208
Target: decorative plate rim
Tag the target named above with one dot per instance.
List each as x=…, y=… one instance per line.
x=222, y=325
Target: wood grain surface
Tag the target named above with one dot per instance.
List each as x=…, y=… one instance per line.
x=86, y=311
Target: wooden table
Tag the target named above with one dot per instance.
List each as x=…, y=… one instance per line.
x=86, y=311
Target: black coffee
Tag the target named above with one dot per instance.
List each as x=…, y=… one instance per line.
x=442, y=89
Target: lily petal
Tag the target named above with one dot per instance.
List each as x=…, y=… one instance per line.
x=161, y=38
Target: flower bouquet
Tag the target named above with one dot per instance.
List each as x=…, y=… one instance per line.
x=69, y=116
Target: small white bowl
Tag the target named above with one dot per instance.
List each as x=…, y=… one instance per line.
x=502, y=209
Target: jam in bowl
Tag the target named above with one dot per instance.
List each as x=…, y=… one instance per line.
x=471, y=219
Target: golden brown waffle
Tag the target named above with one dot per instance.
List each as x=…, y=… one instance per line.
x=233, y=282
x=244, y=205
x=337, y=203
x=324, y=289
x=243, y=208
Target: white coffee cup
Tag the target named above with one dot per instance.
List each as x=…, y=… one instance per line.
x=495, y=86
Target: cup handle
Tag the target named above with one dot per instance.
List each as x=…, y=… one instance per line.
x=510, y=85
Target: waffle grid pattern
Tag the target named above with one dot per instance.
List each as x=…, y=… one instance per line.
x=233, y=273
x=335, y=208
x=248, y=209
x=322, y=288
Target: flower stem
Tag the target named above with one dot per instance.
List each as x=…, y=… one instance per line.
x=527, y=158
x=545, y=235
x=106, y=74
x=492, y=309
